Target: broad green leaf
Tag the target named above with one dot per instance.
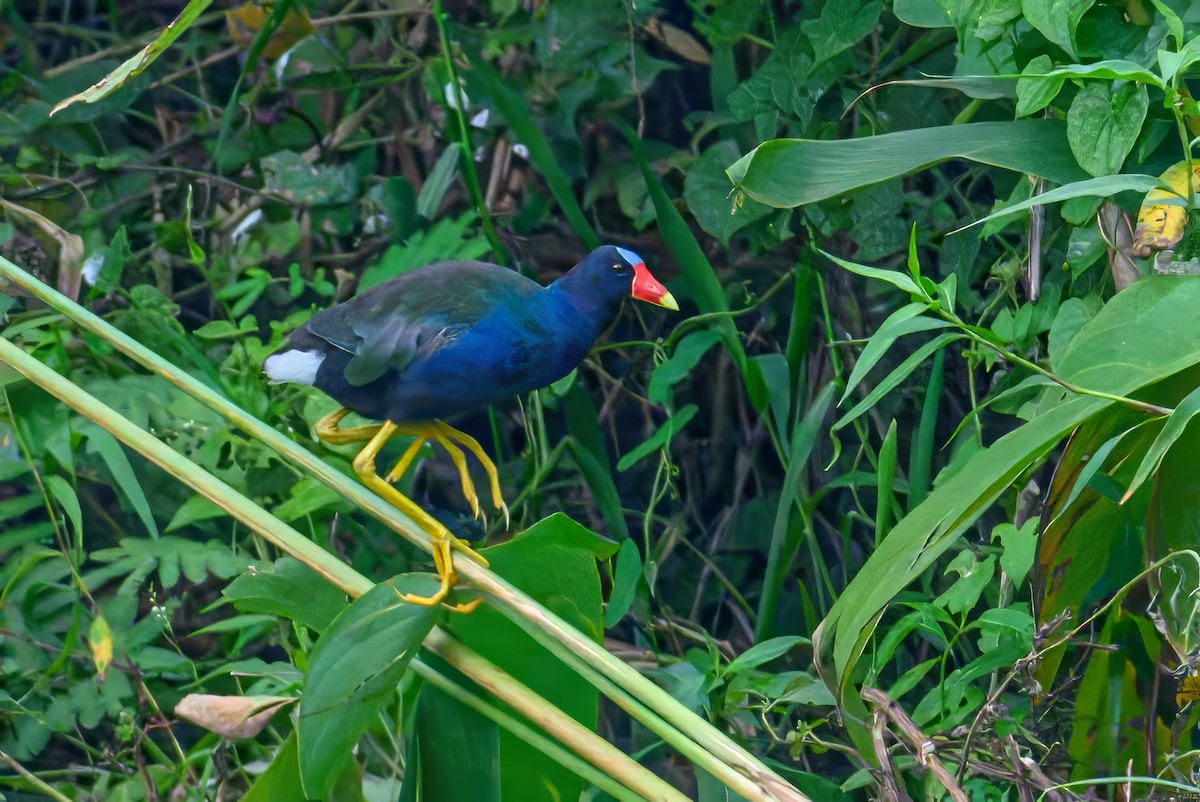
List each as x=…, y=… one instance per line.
x=840, y=26
x=1036, y=90
x=1020, y=549
x=670, y=427
x=353, y=672
x=458, y=751
x=291, y=590
x=1104, y=122
x=1057, y=19
x=974, y=578
x=554, y=561
x=1173, y=64
x=1134, y=340
x=710, y=195
x=905, y=320
x=140, y=61
x=794, y=172
x=281, y=781
x=1172, y=430
x=782, y=84
x=921, y=13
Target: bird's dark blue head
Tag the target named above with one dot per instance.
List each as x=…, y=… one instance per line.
x=609, y=273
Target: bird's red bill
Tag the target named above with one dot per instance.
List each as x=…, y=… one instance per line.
x=647, y=288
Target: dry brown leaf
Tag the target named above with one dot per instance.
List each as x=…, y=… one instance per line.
x=246, y=21
x=678, y=41
x=230, y=716
x=70, y=248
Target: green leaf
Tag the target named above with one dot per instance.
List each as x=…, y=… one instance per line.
x=842, y=25
x=1134, y=340
x=659, y=440
x=66, y=497
x=429, y=200
x=974, y=577
x=1020, y=549
x=458, y=751
x=626, y=577
x=905, y=320
x=894, y=277
x=554, y=561
x=353, y=672
x=193, y=510
x=1057, y=19
x=1102, y=187
x=764, y=652
x=893, y=379
x=782, y=83
x=1036, y=90
x=134, y=65
x=794, y=172
x=102, y=443
x=1172, y=430
x=281, y=781
x=688, y=353
x=921, y=13
x=711, y=197
x=591, y=455
x=1104, y=122
x=291, y=590
x=783, y=546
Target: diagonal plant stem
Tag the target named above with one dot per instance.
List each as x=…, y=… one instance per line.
x=694, y=737
x=586, y=743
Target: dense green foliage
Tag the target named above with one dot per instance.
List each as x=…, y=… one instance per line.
x=903, y=504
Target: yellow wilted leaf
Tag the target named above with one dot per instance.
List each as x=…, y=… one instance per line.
x=100, y=640
x=244, y=23
x=1189, y=690
x=1164, y=215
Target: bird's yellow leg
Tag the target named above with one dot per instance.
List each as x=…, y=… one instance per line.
x=405, y=460
x=464, y=476
x=327, y=429
x=442, y=541
x=448, y=432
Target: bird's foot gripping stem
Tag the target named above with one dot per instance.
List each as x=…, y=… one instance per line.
x=443, y=543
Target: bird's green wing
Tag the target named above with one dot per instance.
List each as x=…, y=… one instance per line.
x=415, y=314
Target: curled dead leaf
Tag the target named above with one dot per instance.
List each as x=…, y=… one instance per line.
x=230, y=716
x=70, y=247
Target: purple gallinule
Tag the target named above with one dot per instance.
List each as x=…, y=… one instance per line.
x=447, y=338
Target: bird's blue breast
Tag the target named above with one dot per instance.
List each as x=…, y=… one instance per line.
x=509, y=352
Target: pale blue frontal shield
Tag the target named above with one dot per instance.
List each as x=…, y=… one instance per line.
x=630, y=256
